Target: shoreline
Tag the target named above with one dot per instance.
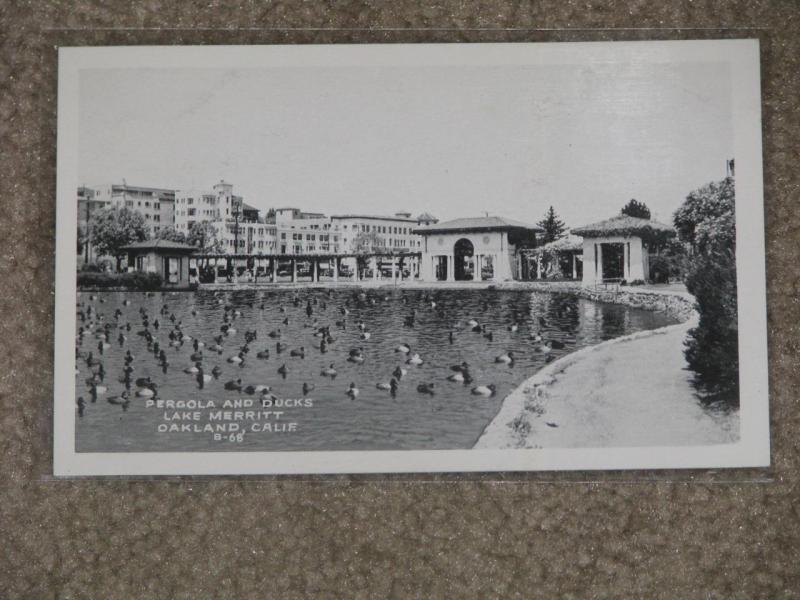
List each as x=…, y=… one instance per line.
x=580, y=400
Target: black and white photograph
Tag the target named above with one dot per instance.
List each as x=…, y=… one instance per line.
x=410, y=258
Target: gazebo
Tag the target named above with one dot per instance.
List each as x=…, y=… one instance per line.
x=617, y=249
x=165, y=257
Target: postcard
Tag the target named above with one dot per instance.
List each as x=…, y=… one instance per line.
x=409, y=258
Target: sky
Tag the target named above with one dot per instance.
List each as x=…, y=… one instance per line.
x=455, y=141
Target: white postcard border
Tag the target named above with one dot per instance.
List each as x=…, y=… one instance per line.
x=753, y=449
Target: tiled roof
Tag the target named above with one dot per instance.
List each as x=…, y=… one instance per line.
x=621, y=225
x=158, y=244
x=477, y=224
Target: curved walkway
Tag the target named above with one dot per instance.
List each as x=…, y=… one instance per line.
x=630, y=391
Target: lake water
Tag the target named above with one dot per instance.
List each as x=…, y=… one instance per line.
x=452, y=418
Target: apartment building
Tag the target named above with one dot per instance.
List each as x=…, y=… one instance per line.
x=157, y=205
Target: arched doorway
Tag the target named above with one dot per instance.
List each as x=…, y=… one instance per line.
x=462, y=259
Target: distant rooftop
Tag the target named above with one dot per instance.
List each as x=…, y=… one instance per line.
x=377, y=217
x=159, y=244
x=477, y=224
x=622, y=225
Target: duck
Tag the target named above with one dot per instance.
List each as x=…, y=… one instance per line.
x=298, y=352
x=506, y=358
x=283, y=370
x=356, y=358
x=191, y=370
x=308, y=387
x=123, y=398
x=216, y=371
x=352, y=391
x=230, y=331
x=383, y=385
x=237, y=359
x=99, y=389
x=472, y=323
x=404, y=348
x=415, y=360
x=256, y=389
x=365, y=335
x=426, y=388
x=536, y=336
x=399, y=372
x=464, y=366
x=275, y=333
x=485, y=390
x=216, y=348
x=234, y=385
x=195, y=356
x=201, y=375
x=329, y=372
x=457, y=377
x=146, y=392
x=545, y=348
x=513, y=328
x=264, y=354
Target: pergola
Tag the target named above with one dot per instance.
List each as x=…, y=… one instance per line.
x=548, y=257
x=271, y=263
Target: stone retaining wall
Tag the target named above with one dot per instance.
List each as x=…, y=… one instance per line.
x=680, y=305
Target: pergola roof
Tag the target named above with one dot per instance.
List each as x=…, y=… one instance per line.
x=477, y=224
x=623, y=225
x=567, y=243
x=159, y=244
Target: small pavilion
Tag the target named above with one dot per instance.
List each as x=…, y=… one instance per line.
x=165, y=257
x=617, y=249
x=474, y=249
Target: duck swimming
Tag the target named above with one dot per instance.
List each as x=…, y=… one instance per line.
x=329, y=372
x=404, y=348
x=506, y=358
x=352, y=391
x=399, y=372
x=426, y=388
x=234, y=385
x=484, y=390
x=415, y=360
x=237, y=359
x=298, y=352
x=308, y=387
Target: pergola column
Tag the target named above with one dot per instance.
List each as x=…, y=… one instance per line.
x=394, y=265
x=574, y=265
x=335, y=268
x=476, y=267
x=451, y=271
x=374, y=268
x=273, y=263
x=294, y=270
x=315, y=272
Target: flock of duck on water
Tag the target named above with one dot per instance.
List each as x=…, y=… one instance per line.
x=96, y=334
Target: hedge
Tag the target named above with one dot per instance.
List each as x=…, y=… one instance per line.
x=133, y=281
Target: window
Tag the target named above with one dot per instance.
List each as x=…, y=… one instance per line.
x=283, y=236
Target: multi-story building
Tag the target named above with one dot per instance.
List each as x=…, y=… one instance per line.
x=227, y=213
x=157, y=205
x=381, y=233
x=301, y=232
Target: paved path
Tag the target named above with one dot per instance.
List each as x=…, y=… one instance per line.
x=633, y=391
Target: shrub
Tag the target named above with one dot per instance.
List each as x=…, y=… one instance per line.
x=132, y=281
x=712, y=349
x=706, y=221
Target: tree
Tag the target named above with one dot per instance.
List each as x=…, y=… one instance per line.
x=553, y=227
x=366, y=242
x=634, y=208
x=172, y=234
x=204, y=235
x=114, y=228
x=706, y=222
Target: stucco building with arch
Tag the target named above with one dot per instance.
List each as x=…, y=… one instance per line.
x=474, y=249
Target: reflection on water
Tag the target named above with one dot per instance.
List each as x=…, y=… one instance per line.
x=453, y=417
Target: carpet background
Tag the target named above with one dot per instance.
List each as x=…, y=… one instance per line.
x=731, y=534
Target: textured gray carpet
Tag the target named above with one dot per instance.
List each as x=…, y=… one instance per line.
x=644, y=535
